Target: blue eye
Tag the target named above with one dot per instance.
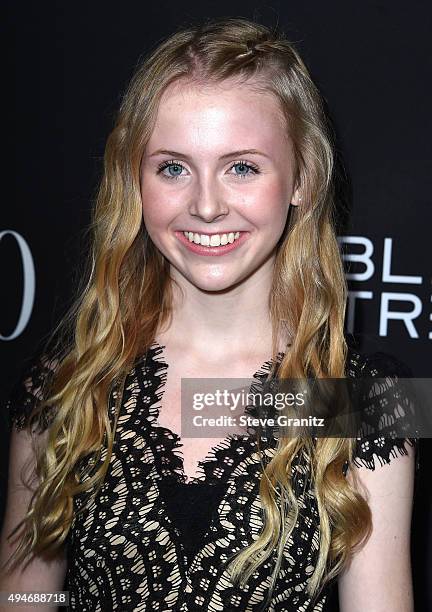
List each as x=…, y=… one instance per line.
x=245, y=168
x=175, y=168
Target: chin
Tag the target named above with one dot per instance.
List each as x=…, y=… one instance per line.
x=215, y=284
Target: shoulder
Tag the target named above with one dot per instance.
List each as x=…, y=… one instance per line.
x=387, y=405
x=30, y=390
x=373, y=364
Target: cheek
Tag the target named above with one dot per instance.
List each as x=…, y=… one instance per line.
x=269, y=205
x=157, y=208
x=152, y=213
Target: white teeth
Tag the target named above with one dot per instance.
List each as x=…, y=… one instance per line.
x=214, y=240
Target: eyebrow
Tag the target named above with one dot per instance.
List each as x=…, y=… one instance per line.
x=225, y=156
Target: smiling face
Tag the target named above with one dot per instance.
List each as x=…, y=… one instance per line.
x=219, y=161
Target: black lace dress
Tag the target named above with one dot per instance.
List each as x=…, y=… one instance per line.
x=150, y=540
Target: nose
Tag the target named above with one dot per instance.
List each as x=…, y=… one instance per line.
x=207, y=201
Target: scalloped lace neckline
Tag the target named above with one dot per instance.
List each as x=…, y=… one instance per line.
x=159, y=367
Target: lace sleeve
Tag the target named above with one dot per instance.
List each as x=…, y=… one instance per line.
x=23, y=404
x=388, y=413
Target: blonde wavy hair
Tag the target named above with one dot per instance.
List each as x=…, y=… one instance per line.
x=127, y=296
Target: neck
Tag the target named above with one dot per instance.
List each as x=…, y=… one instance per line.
x=206, y=323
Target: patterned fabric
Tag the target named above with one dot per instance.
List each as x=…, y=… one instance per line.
x=125, y=551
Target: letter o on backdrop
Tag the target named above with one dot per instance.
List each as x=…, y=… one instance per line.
x=29, y=285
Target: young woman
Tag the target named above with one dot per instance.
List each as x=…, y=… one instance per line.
x=214, y=255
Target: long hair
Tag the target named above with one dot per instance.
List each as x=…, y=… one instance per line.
x=127, y=296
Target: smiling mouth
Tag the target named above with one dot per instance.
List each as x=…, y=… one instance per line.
x=212, y=240
x=212, y=244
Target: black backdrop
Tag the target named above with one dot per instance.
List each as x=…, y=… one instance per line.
x=67, y=65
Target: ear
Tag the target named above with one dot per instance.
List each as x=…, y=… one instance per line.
x=296, y=197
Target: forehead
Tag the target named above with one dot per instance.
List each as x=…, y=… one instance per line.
x=219, y=115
